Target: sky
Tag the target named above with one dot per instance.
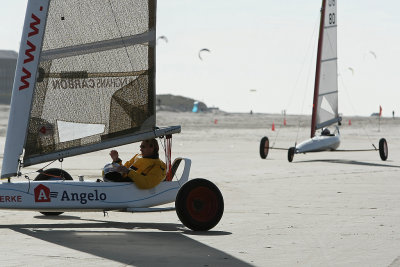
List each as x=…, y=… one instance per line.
x=263, y=53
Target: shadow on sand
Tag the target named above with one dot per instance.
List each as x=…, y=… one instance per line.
x=351, y=162
x=138, y=244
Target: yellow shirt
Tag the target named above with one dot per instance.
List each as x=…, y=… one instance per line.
x=146, y=172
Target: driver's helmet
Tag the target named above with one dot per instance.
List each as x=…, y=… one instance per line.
x=325, y=131
x=110, y=167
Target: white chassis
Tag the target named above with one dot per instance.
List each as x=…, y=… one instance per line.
x=60, y=196
x=319, y=143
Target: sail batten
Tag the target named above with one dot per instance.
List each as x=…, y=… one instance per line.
x=328, y=59
x=328, y=93
x=97, y=46
x=330, y=26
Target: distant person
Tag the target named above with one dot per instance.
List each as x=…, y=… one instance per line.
x=146, y=170
x=393, y=114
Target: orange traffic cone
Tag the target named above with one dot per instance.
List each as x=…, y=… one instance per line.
x=273, y=126
x=349, y=122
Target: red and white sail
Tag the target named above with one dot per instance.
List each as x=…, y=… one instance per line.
x=325, y=106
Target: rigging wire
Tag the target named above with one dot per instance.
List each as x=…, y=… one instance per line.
x=163, y=142
x=307, y=82
x=310, y=47
x=27, y=177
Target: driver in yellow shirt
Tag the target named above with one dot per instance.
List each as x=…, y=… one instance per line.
x=146, y=170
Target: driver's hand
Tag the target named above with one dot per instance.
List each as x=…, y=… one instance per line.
x=114, y=155
x=122, y=169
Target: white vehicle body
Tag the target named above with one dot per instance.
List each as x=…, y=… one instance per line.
x=86, y=195
x=319, y=143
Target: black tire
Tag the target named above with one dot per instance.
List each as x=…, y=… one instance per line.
x=52, y=174
x=383, y=149
x=290, y=154
x=264, y=147
x=199, y=205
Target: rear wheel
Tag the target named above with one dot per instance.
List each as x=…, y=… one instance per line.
x=264, y=147
x=199, y=205
x=383, y=149
x=51, y=175
x=290, y=154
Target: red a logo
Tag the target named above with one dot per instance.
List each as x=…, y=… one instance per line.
x=42, y=193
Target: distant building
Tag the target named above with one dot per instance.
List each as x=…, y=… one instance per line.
x=8, y=62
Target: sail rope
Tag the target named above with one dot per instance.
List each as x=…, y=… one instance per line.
x=39, y=170
x=276, y=136
x=166, y=144
x=307, y=82
x=310, y=47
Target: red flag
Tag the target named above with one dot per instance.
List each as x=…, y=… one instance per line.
x=380, y=110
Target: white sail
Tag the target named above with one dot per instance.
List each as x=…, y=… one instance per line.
x=327, y=107
x=85, y=80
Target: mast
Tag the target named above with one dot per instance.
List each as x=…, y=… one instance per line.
x=152, y=56
x=318, y=70
x=24, y=83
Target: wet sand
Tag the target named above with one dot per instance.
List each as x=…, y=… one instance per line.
x=323, y=209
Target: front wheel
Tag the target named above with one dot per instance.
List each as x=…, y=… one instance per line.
x=383, y=149
x=199, y=205
x=264, y=147
x=290, y=154
x=51, y=175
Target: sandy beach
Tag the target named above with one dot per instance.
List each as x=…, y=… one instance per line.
x=323, y=209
